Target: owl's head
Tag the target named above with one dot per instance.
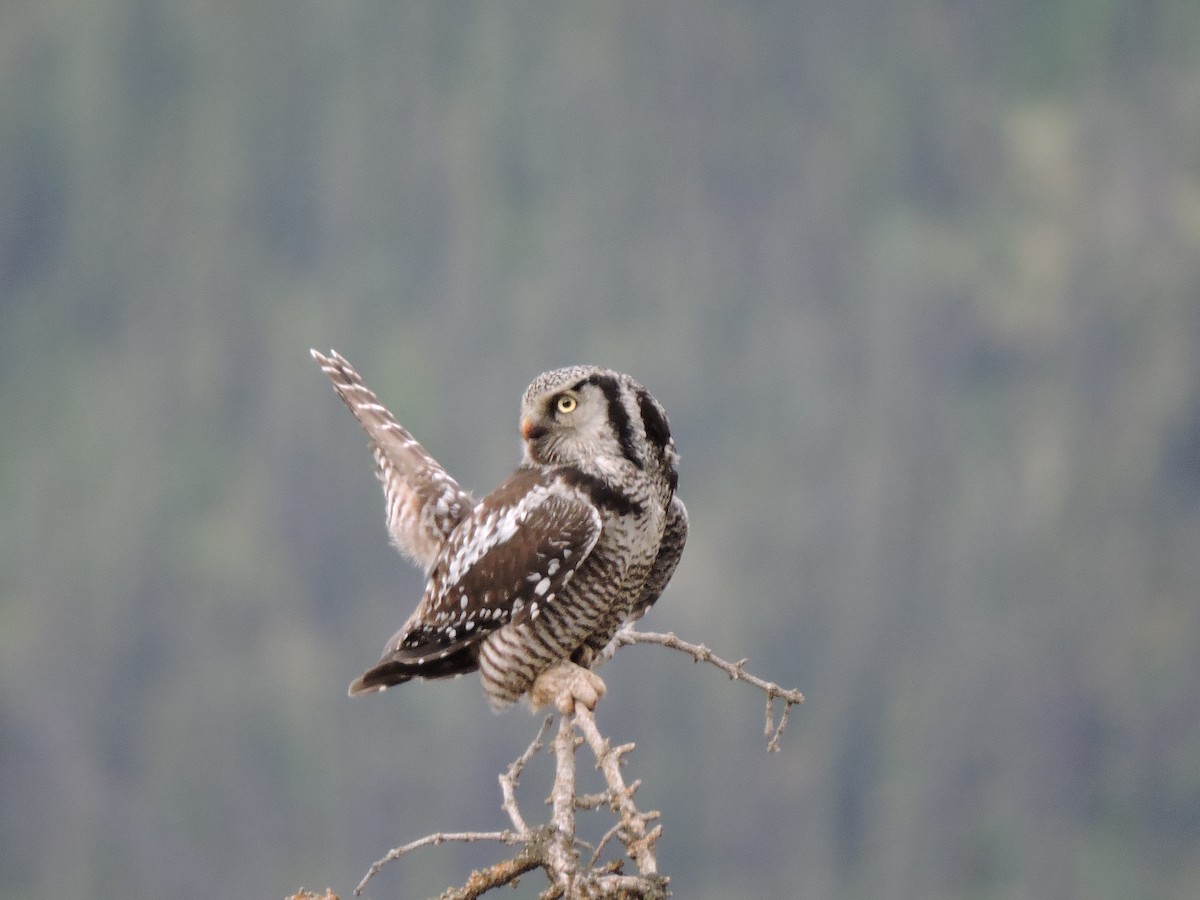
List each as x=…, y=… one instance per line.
x=588, y=416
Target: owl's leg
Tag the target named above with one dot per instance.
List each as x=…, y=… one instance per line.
x=564, y=685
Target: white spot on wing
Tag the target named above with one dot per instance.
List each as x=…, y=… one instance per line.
x=488, y=531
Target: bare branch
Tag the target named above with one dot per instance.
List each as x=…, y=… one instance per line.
x=608, y=836
x=507, y=871
x=593, y=801
x=555, y=847
x=630, y=886
x=737, y=671
x=432, y=840
x=510, y=777
x=634, y=833
x=773, y=743
x=561, y=858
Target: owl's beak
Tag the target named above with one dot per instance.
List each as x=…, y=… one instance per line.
x=531, y=431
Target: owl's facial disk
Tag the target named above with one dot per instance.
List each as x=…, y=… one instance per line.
x=557, y=424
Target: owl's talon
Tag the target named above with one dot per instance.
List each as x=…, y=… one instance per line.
x=565, y=684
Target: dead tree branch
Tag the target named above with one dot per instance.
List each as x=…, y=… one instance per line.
x=512, y=775
x=432, y=840
x=632, y=828
x=507, y=871
x=737, y=671
x=555, y=846
x=562, y=862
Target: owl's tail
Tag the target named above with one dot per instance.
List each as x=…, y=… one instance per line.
x=403, y=665
x=379, y=678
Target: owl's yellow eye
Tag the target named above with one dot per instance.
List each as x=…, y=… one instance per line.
x=566, y=403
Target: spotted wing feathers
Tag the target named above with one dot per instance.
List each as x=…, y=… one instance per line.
x=424, y=504
x=508, y=560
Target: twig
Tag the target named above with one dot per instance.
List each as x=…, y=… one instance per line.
x=432, y=840
x=637, y=838
x=608, y=836
x=777, y=733
x=510, y=777
x=593, y=801
x=736, y=671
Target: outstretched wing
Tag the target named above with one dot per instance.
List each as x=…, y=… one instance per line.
x=509, y=559
x=424, y=504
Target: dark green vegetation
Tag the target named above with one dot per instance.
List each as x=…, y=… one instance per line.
x=918, y=282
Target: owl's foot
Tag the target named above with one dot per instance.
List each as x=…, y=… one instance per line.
x=564, y=685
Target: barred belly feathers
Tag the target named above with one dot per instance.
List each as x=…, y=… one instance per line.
x=530, y=584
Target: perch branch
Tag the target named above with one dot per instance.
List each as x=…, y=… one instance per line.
x=561, y=859
x=736, y=670
x=554, y=847
x=634, y=833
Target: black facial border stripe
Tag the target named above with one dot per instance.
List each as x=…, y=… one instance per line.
x=619, y=416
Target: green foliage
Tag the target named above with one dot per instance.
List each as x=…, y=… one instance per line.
x=917, y=282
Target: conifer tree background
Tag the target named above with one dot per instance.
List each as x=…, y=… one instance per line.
x=917, y=281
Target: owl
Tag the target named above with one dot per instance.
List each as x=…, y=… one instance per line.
x=530, y=585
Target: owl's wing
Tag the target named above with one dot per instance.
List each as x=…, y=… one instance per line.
x=424, y=504
x=507, y=560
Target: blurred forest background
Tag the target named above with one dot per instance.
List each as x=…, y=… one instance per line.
x=917, y=280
